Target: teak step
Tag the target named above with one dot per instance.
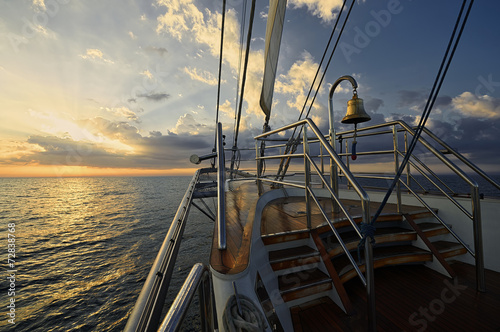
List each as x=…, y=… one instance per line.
x=432, y=229
x=382, y=235
x=449, y=249
x=384, y=256
x=285, y=237
x=303, y=283
x=292, y=257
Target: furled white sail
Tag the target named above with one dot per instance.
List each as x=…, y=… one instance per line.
x=274, y=29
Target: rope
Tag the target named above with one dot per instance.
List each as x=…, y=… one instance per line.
x=367, y=231
x=250, y=319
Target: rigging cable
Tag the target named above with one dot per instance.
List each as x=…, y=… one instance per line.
x=330, y=59
x=220, y=68
x=245, y=66
x=443, y=69
x=242, y=29
x=293, y=142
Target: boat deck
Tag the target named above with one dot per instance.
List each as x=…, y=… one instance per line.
x=280, y=216
x=411, y=298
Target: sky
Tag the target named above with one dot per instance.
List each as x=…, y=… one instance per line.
x=129, y=87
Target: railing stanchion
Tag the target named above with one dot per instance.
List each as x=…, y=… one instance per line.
x=221, y=194
x=396, y=166
x=307, y=171
x=478, y=240
x=408, y=174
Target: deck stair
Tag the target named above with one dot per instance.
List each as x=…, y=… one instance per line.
x=308, y=270
x=299, y=269
x=396, y=243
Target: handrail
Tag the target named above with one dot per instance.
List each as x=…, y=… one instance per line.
x=221, y=198
x=175, y=316
x=335, y=160
x=359, y=190
x=463, y=159
x=147, y=310
x=474, y=215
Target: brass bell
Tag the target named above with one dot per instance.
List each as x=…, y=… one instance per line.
x=355, y=111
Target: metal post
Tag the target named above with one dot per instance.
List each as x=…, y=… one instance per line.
x=257, y=158
x=322, y=163
x=478, y=239
x=370, y=286
x=307, y=174
x=408, y=174
x=221, y=197
x=396, y=166
x=347, y=161
x=369, y=270
x=334, y=176
x=204, y=296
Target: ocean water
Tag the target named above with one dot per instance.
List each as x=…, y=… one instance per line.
x=84, y=247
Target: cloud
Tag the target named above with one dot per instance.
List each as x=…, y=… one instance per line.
x=95, y=55
x=227, y=108
x=161, y=51
x=203, y=76
x=373, y=104
x=183, y=20
x=188, y=125
x=416, y=100
x=156, y=151
x=39, y=4
x=131, y=35
x=324, y=9
x=298, y=80
x=410, y=98
x=477, y=106
x=122, y=112
x=147, y=73
x=121, y=131
x=154, y=96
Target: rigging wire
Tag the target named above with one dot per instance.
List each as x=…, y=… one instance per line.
x=242, y=29
x=323, y=58
x=245, y=67
x=330, y=59
x=292, y=142
x=220, y=64
x=443, y=69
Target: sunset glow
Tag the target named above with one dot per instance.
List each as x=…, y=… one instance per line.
x=129, y=88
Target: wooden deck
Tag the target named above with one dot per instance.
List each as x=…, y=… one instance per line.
x=412, y=298
x=240, y=213
x=288, y=214
x=408, y=298
x=280, y=216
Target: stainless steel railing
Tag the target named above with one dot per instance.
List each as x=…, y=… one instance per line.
x=146, y=314
x=197, y=280
x=422, y=168
x=306, y=124
x=221, y=195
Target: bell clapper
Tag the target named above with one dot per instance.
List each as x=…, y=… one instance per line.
x=354, y=142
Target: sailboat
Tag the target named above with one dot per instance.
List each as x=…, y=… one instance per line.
x=304, y=242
